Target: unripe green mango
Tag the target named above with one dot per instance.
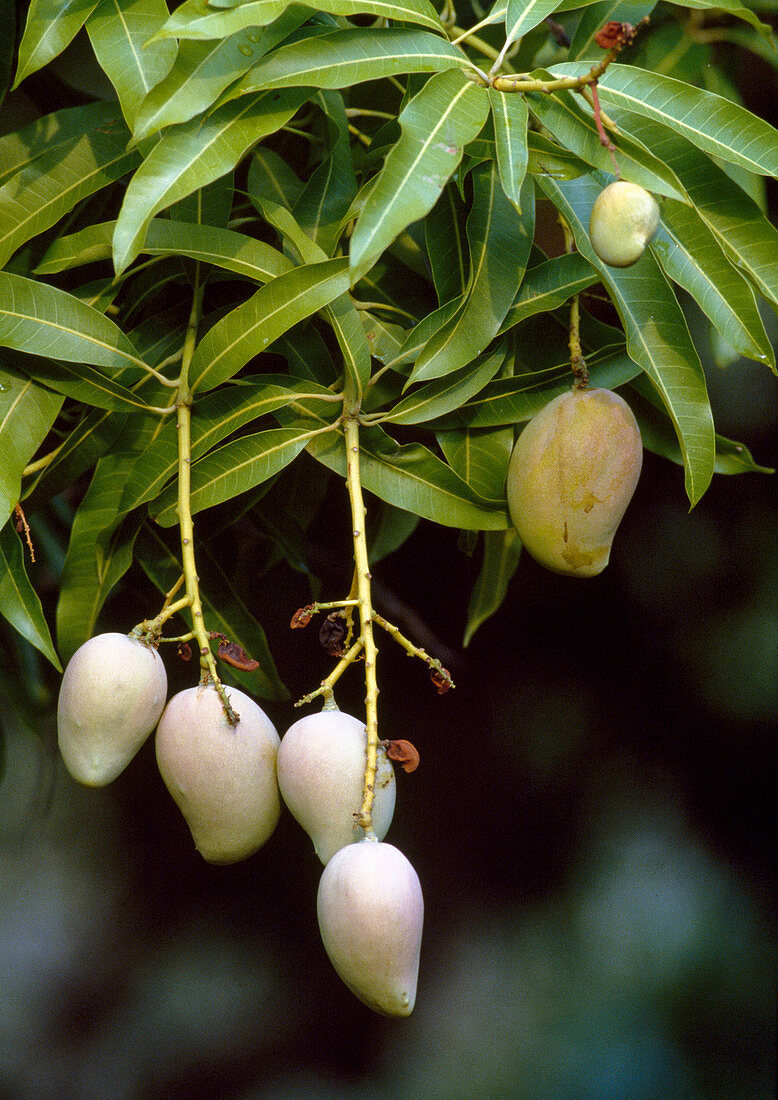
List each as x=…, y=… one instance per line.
x=110, y=699
x=571, y=476
x=222, y=777
x=321, y=768
x=371, y=913
x=623, y=220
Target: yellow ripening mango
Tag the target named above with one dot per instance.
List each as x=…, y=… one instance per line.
x=571, y=476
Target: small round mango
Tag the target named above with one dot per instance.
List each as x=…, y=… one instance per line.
x=623, y=220
x=371, y=913
x=321, y=768
x=111, y=697
x=222, y=777
x=571, y=476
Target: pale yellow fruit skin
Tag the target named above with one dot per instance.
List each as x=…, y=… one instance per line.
x=570, y=478
x=321, y=768
x=371, y=913
x=623, y=220
x=222, y=777
x=110, y=699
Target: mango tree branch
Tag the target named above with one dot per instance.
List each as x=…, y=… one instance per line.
x=364, y=602
x=184, y=508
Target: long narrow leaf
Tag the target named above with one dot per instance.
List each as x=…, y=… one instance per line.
x=54, y=179
x=339, y=59
x=714, y=124
x=120, y=33
x=436, y=125
x=253, y=326
x=43, y=320
x=411, y=477
x=19, y=602
x=27, y=412
x=192, y=155
x=51, y=25
x=233, y=469
x=500, y=240
x=189, y=21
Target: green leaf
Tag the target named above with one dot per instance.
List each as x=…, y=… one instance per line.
x=500, y=240
x=444, y=394
x=715, y=125
x=502, y=551
x=58, y=171
x=658, y=436
x=388, y=529
x=203, y=70
x=188, y=21
x=562, y=115
x=119, y=31
x=352, y=340
x=510, y=115
x=737, y=9
x=692, y=257
x=548, y=286
x=43, y=320
x=422, y=333
x=27, y=412
x=522, y=15
x=547, y=158
x=340, y=59
x=223, y=609
x=222, y=248
x=214, y=417
x=515, y=400
x=51, y=25
x=254, y=325
x=413, y=478
x=191, y=155
x=436, y=125
x=233, y=469
x=19, y=602
x=79, y=451
x=329, y=192
x=748, y=239
x=446, y=242
x=657, y=336
x=480, y=457
x=99, y=554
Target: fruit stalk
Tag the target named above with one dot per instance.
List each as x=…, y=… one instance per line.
x=364, y=603
x=184, y=507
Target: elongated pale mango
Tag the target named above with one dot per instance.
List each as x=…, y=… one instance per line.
x=623, y=220
x=570, y=478
x=371, y=913
x=111, y=697
x=321, y=768
x=222, y=777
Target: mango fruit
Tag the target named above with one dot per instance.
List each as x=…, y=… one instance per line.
x=222, y=777
x=321, y=768
x=623, y=220
x=571, y=476
x=371, y=912
x=112, y=694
